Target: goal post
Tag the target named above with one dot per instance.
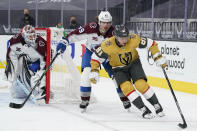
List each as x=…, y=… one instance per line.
x=46, y=34
x=63, y=79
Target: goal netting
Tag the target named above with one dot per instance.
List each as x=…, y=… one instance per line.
x=63, y=80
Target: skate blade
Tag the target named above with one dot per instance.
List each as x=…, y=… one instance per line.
x=161, y=114
x=149, y=116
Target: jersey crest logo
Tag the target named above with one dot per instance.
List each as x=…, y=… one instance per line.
x=18, y=49
x=125, y=58
x=81, y=29
x=41, y=43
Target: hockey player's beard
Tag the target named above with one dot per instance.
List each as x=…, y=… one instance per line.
x=103, y=30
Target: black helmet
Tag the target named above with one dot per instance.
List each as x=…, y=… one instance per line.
x=121, y=31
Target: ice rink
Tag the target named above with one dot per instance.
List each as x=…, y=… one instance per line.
x=107, y=114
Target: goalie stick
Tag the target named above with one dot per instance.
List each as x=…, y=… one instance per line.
x=32, y=98
x=184, y=125
x=18, y=106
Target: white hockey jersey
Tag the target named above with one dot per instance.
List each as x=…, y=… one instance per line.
x=17, y=47
x=91, y=34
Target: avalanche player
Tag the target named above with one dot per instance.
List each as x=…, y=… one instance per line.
x=94, y=33
x=25, y=63
x=124, y=59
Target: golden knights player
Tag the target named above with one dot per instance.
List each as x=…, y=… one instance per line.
x=124, y=59
x=94, y=33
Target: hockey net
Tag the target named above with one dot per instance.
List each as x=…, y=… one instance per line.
x=63, y=79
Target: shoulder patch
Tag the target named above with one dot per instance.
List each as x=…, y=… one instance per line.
x=15, y=36
x=93, y=25
x=41, y=43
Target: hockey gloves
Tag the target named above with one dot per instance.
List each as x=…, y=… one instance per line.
x=94, y=77
x=62, y=45
x=159, y=60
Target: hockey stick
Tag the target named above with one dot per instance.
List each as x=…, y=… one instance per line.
x=184, y=125
x=32, y=98
x=18, y=106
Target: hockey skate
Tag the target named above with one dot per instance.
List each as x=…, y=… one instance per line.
x=84, y=105
x=159, y=110
x=127, y=105
x=146, y=113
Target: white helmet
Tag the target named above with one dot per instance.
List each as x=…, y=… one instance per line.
x=104, y=16
x=29, y=35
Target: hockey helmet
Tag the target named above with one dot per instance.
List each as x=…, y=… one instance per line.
x=121, y=34
x=104, y=16
x=29, y=35
x=121, y=31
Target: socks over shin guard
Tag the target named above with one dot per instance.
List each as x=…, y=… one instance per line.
x=158, y=108
x=146, y=113
x=153, y=100
x=84, y=102
x=126, y=102
x=138, y=102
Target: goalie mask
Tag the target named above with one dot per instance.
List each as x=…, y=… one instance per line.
x=104, y=21
x=29, y=35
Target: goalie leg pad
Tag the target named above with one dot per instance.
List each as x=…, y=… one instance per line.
x=16, y=91
x=25, y=75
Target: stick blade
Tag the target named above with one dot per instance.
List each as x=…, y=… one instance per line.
x=16, y=106
x=183, y=126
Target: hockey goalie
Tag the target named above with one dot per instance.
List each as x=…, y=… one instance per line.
x=25, y=64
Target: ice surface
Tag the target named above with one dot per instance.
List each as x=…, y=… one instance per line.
x=107, y=114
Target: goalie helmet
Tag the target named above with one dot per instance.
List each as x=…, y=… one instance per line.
x=29, y=35
x=121, y=31
x=104, y=16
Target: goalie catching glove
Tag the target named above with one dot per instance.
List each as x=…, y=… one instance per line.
x=62, y=45
x=94, y=77
x=159, y=60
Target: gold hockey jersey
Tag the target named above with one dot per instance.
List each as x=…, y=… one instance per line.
x=122, y=56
